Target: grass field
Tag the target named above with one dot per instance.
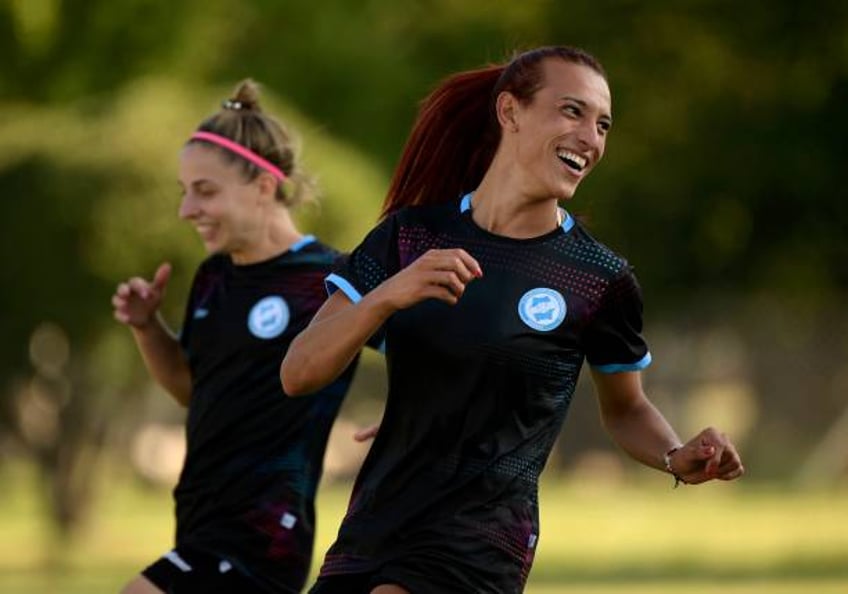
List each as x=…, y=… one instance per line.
x=596, y=539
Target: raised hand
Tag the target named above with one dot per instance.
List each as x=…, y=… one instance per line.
x=707, y=456
x=438, y=274
x=137, y=300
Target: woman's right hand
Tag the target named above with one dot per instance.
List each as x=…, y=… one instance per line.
x=137, y=300
x=438, y=274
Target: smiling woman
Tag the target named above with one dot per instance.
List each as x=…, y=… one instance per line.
x=490, y=297
x=245, y=497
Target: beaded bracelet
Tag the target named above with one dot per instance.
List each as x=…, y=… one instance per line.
x=667, y=460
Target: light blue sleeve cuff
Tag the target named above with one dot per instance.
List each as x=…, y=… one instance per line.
x=335, y=282
x=619, y=367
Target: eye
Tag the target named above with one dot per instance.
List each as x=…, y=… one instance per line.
x=604, y=126
x=206, y=191
x=571, y=110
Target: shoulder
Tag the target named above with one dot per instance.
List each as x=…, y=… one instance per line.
x=312, y=253
x=214, y=264
x=596, y=254
x=317, y=247
x=428, y=215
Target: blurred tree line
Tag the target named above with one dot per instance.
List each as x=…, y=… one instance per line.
x=721, y=184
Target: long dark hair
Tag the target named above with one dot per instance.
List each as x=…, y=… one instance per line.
x=456, y=134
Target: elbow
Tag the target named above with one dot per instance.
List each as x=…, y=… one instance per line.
x=294, y=379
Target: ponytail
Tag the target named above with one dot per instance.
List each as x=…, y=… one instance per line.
x=451, y=144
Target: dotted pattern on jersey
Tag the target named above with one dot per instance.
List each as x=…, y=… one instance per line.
x=335, y=563
x=368, y=270
x=589, y=252
x=413, y=241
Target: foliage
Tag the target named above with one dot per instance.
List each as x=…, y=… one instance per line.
x=720, y=184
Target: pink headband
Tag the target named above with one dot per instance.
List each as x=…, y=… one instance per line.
x=241, y=151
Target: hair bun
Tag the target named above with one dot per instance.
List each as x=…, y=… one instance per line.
x=245, y=97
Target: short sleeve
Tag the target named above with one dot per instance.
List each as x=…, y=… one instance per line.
x=371, y=263
x=613, y=341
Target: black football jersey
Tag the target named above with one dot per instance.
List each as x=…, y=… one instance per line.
x=254, y=456
x=478, y=392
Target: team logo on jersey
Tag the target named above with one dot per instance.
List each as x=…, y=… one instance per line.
x=542, y=309
x=269, y=317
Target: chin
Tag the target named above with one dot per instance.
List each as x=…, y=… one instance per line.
x=565, y=194
x=213, y=247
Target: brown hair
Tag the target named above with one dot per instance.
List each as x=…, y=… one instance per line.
x=456, y=134
x=242, y=120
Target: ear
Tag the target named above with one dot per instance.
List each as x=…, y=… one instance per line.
x=267, y=185
x=506, y=108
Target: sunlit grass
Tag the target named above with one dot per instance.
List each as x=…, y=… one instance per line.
x=596, y=539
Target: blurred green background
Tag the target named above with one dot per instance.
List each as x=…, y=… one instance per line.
x=722, y=184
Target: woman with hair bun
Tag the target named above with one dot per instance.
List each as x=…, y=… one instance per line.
x=245, y=498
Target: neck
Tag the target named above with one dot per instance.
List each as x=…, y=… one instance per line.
x=500, y=206
x=276, y=237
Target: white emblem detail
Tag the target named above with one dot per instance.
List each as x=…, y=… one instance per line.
x=269, y=317
x=288, y=521
x=224, y=566
x=542, y=309
x=200, y=313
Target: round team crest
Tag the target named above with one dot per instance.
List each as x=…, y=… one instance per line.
x=542, y=309
x=269, y=317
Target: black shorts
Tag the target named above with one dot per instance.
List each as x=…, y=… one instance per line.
x=362, y=583
x=426, y=574
x=415, y=577
x=188, y=571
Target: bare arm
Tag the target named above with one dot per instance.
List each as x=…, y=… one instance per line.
x=136, y=304
x=341, y=328
x=643, y=432
x=327, y=346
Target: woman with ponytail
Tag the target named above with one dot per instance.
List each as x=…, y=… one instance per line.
x=245, y=498
x=490, y=296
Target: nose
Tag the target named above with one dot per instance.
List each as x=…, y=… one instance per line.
x=188, y=207
x=589, y=136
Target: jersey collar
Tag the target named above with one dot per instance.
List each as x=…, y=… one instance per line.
x=567, y=220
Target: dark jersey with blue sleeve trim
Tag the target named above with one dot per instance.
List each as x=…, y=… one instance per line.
x=254, y=456
x=478, y=393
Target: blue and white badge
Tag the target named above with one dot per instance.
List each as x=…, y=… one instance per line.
x=542, y=309
x=269, y=317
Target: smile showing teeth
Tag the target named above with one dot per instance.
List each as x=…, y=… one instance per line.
x=573, y=160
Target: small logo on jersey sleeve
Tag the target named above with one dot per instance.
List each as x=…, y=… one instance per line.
x=269, y=317
x=542, y=309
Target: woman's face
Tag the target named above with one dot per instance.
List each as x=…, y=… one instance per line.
x=561, y=134
x=225, y=209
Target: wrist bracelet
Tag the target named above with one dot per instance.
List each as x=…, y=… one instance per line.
x=667, y=460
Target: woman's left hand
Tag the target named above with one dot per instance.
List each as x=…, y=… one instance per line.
x=707, y=456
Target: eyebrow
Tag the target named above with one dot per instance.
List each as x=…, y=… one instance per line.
x=195, y=183
x=583, y=104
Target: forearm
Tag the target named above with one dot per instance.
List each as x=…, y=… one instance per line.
x=326, y=347
x=641, y=431
x=164, y=359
